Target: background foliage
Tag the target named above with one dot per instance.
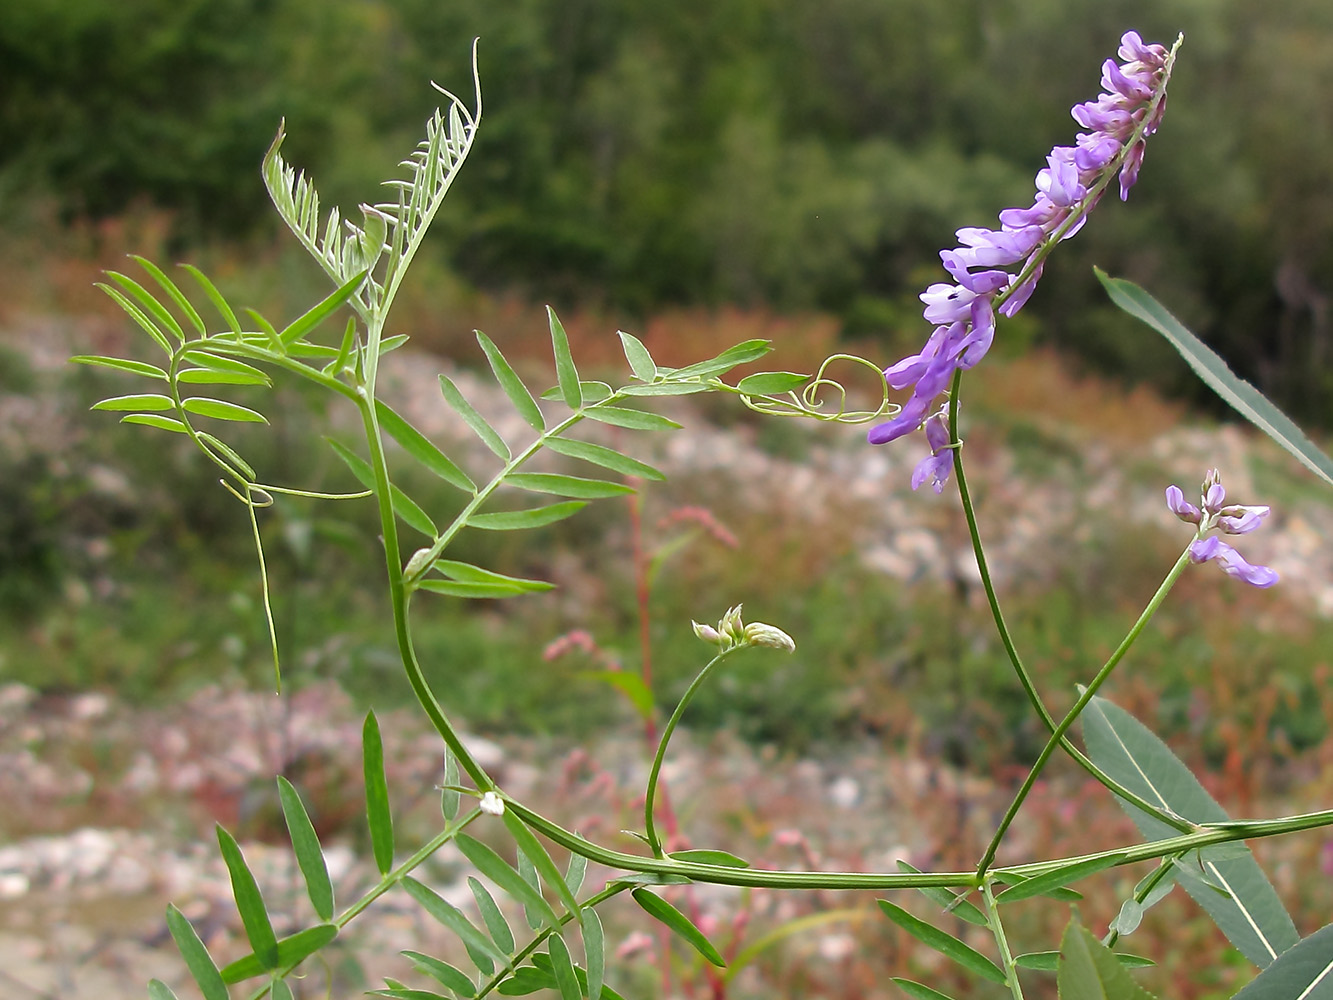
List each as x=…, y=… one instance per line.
x=785, y=152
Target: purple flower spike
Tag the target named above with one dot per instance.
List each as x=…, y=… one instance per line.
x=963, y=312
x=1212, y=513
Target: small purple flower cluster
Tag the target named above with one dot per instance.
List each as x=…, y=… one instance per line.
x=1232, y=519
x=1071, y=184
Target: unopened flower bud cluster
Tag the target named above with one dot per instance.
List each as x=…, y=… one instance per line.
x=731, y=631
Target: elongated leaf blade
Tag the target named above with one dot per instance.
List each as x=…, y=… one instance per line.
x=156, y=420
x=536, y=853
x=221, y=363
x=220, y=409
x=742, y=353
x=640, y=361
x=472, y=418
x=635, y=420
x=226, y=453
x=565, y=372
x=477, y=943
x=665, y=389
x=301, y=326
x=962, y=908
x=918, y=991
x=249, y=902
x=403, y=505
x=533, y=517
x=450, y=798
x=594, y=953
x=575, y=872
x=1039, y=885
x=292, y=950
x=377, y=794
x=511, y=384
x=121, y=364
x=946, y=944
x=467, y=573
x=498, y=871
x=1244, y=398
x=305, y=845
x=136, y=314
x=607, y=458
x=177, y=296
x=422, y=448
x=209, y=376
x=1251, y=915
x=473, y=591
x=525, y=981
x=443, y=973
x=280, y=990
x=771, y=383
x=491, y=916
x=1303, y=972
x=710, y=857
x=1088, y=970
x=567, y=486
x=562, y=966
x=158, y=990
x=530, y=876
x=679, y=924
x=136, y=401
x=214, y=296
x=197, y=959
x=149, y=302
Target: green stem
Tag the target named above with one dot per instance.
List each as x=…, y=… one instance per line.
x=1058, y=734
x=650, y=796
x=1006, y=639
x=997, y=929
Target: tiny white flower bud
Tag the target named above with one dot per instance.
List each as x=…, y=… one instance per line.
x=759, y=634
x=492, y=804
x=731, y=625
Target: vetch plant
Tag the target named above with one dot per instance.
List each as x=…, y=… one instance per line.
x=1188, y=840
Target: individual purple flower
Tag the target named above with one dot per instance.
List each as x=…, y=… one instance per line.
x=1212, y=513
x=936, y=466
x=1071, y=183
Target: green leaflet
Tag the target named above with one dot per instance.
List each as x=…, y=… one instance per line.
x=1303, y=972
x=444, y=973
x=771, y=383
x=567, y=486
x=154, y=420
x=1039, y=885
x=480, y=948
x=403, y=505
x=292, y=950
x=305, y=845
x=511, y=384
x=562, y=967
x=946, y=944
x=1049, y=961
x=919, y=992
x=742, y=353
x=498, y=871
x=566, y=373
x=575, y=872
x=249, y=903
x=1088, y=970
x=541, y=861
x=209, y=376
x=158, y=990
x=138, y=401
x=533, y=517
x=136, y=314
x=1248, y=401
x=959, y=906
x=196, y=956
x=214, y=296
x=710, y=857
x=149, y=302
x=177, y=296
x=422, y=448
x=640, y=361
x=664, y=389
x=298, y=328
x=466, y=580
x=607, y=458
x=226, y=452
x=472, y=418
x=377, y=794
x=491, y=916
x=635, y=420
x=220, y=409
x=594, y=953
x=1250, y=913
x=121, y=364
x=679, y=924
